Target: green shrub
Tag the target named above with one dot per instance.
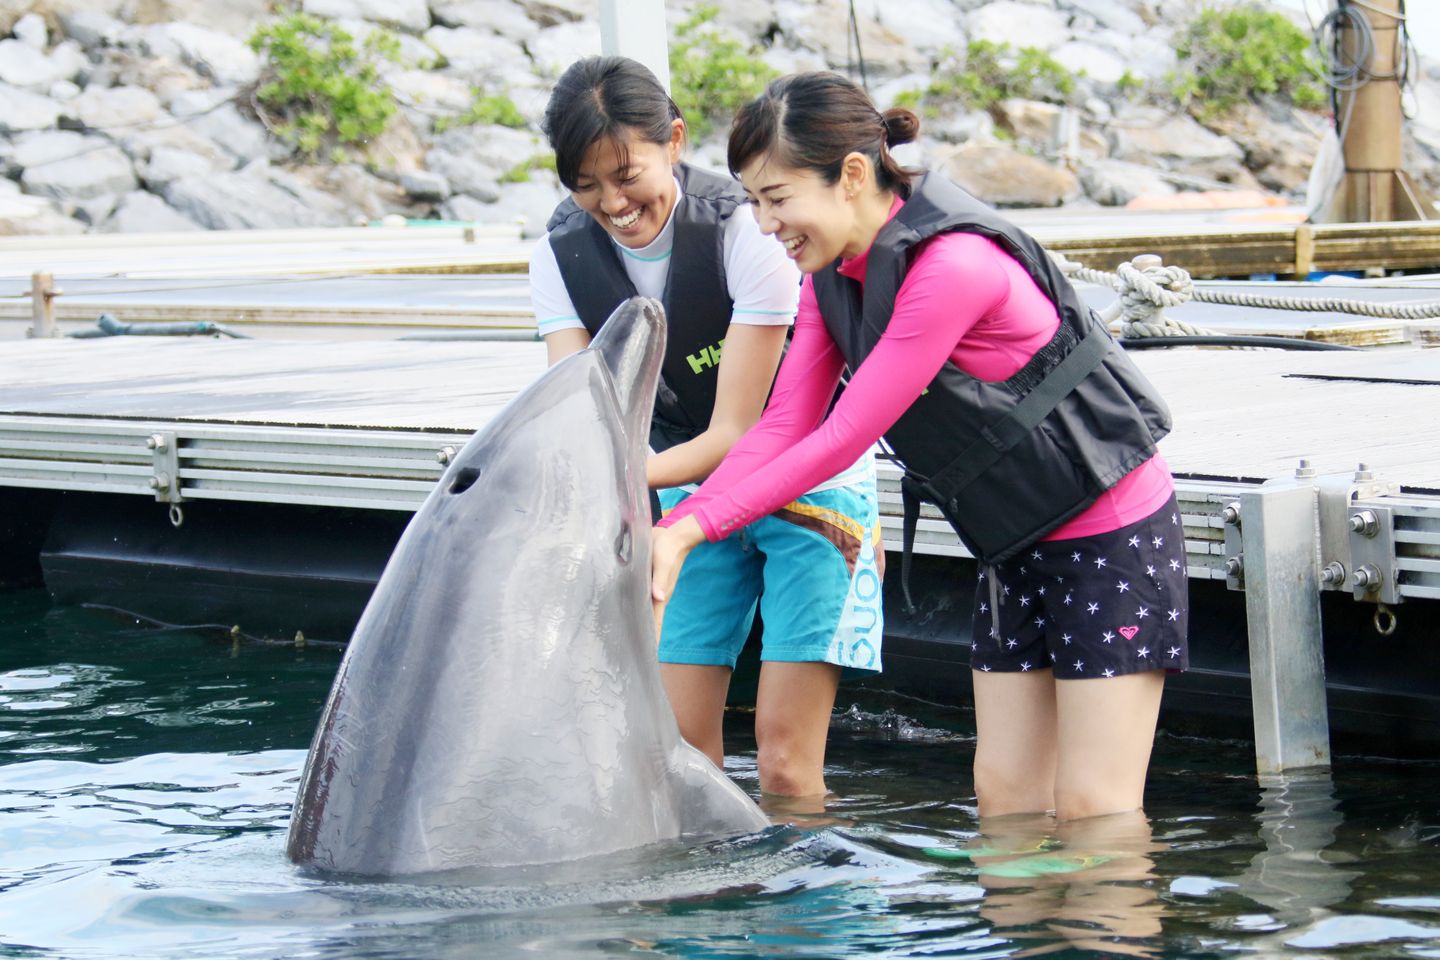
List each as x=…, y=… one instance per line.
x=988, y=73
x=1227, y=54
x=711, y=75
x=520, y=173
x=494, y=108
x=318, y=89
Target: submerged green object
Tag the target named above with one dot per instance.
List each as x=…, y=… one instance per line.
x=1042, y=866
x=973, y=853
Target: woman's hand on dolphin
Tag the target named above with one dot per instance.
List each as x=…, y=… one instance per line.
x=668, y=548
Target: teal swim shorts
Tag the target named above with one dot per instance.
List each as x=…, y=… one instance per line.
x=813, y=568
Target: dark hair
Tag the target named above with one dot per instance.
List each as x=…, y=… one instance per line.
x=812, y=121
x=604, y=98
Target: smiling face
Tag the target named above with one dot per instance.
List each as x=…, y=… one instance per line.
x=627, y=185
x=817, y=222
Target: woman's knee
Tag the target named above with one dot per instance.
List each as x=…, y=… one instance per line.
x=791, y=764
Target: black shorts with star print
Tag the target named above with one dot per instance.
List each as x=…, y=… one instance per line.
x=1100, y=606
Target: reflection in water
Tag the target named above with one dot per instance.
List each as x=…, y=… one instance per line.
x=1293, y=877
x=1086, y=884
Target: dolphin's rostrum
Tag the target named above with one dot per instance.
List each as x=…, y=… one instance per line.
x=500, y=702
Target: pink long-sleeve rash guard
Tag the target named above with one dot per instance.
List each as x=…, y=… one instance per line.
x=963, y=299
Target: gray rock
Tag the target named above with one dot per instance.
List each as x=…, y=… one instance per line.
x=425, y=186
x=94, y=210
x=550, y=13
x=63, y=90
x=481, y=56
x=504, y=17
x=1114, y=14
x=30, y=29
x=23, y=66
x=431, y=93
x=141, y=143
x=467, y=208
x=256, y=197
x=91, y=29
x=21, y=110
x=370, y=197
x=168, y=164
x=242, y=138
x=113, y=107
x=928, y=25
x=555, y=48
x=1019, y=24
x=465, y=174
x=21, y=214
x=1096, y=63
x=141, y=212
x=1143, y=133
x=1114, y=183
x=408, y=14
x=223, y=58
x=529, y=204
x=1007, y=178
x=69, y=166
x=495, y=147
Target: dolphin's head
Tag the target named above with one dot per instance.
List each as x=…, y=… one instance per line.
x=500, y=701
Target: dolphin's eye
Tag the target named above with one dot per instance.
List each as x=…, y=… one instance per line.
x=465, y=478
x=623, y=543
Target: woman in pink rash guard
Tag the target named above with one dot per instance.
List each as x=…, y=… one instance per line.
x=1011, y=409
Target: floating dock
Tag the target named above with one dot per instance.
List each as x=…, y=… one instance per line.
x=203, y=480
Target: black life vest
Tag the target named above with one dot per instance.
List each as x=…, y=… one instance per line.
x=697, y=300
x=1006, y=462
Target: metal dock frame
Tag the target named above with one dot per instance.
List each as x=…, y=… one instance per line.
x=1283, y=542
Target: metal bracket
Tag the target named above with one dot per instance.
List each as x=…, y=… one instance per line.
x=1234, y=546
x=1375, y=573
x=1338, y=493
x=165, y=467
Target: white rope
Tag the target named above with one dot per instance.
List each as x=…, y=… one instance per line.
x=1154, y=288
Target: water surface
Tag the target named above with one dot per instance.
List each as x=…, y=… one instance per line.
x=146, y=777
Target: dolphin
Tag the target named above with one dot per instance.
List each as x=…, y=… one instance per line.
x=500, y=703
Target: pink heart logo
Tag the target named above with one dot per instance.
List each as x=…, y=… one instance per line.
x=1129, y=632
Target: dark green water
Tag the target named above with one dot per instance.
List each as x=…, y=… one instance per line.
x=146, y=778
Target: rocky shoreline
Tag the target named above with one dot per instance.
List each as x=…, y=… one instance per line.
x=140, y=115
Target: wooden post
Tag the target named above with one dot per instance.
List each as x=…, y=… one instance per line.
x=42, y=304
x=1375, y=186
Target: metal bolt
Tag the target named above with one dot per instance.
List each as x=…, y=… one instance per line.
x=1231, y=513
x=1334, y=572
x=446, y=454
x=1234, y=566
x=1147, y=261
x=1363, y=472
x=1365, y=523
x=1304, y=469
x=1367, y=577
x=155, y=442
x=160, y=481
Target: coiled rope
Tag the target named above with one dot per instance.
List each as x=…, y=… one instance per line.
x=1147, y=287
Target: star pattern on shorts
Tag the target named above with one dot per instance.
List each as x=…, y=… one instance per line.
x=1116, y=651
